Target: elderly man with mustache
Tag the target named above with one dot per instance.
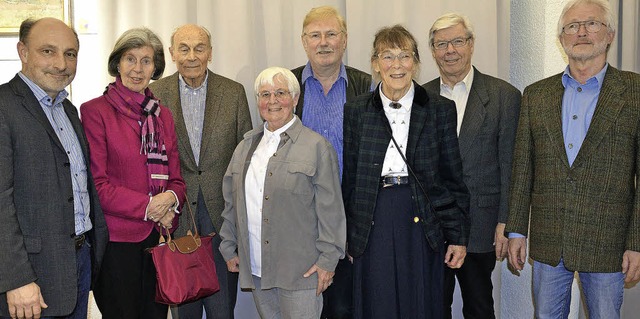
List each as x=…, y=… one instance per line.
x=325, y=85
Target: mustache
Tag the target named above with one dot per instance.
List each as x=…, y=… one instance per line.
x=324, y=50
x=584, y=42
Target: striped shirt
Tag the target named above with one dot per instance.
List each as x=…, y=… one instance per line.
x=193, y=102
x=324, y=113
x=67, y=136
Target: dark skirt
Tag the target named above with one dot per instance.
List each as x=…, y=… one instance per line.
x=398, y=275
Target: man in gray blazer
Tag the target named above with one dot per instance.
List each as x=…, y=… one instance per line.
x=51, y=226
x=488, y=111
x=211, y=115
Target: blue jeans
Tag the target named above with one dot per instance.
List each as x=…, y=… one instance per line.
x=552, y=292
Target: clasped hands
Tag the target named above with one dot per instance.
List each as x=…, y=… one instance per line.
x=161, y=209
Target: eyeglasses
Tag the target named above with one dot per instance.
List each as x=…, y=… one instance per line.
x=387, y=57
x=280, y=95
x=457, y=42
x=592, y=26
x=317, y=36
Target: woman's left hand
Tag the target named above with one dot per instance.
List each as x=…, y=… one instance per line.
x=160, y=204
x=325, y=278
x=167, y=220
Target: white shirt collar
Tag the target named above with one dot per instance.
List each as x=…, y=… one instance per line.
x=467, y=81
x=269, y=134
x=406, y=101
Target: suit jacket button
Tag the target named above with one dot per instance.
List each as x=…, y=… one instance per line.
x=199, y=172
x=266, y=198
x=416, y=219
x=70, y=199
x=193, y=203
x=372, y=223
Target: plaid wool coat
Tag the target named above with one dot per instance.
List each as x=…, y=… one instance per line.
x=432, y=152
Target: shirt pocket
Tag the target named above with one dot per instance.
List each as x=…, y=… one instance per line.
x=300, y=178
x=236, y=168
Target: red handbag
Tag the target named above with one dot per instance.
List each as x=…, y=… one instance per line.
x=185, y=270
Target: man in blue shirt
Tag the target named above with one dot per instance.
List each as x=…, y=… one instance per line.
x=51, y=223
x=325, y=85
x=574, y=187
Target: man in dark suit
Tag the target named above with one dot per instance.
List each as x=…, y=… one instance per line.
x=325, y=85
x=211, y=115
x=51, y=224
x=487, y=110
x=574, y=189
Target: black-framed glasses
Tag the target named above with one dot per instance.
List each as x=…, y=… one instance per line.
x=387, y=57
x=457, y=42
x=280, y=95
x=592, y=26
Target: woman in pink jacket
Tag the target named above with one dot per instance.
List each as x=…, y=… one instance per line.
x=134, y=161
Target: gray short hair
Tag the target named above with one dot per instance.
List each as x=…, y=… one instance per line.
x=449, y=20
x=268, y=75
x=134, y=39
x=609, y=20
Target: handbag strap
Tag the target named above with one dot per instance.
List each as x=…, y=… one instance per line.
x=193, y=223
x=424, y=192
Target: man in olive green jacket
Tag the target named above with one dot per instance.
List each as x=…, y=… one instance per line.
x=576, y=161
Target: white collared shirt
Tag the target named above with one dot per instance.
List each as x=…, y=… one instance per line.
x=254, y=191
x=459, y=94
x=399, y=121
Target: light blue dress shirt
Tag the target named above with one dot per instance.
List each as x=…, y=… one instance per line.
x=578, y=105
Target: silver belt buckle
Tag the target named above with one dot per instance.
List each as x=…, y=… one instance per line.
x=385, y=184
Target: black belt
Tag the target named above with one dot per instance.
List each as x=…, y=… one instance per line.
x=79, y=239
x=388, y=181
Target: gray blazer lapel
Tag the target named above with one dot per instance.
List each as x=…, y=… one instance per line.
x=72, y=114
x=608, y=108
x=473, y=115
x=213, y=102
x=32, y=105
